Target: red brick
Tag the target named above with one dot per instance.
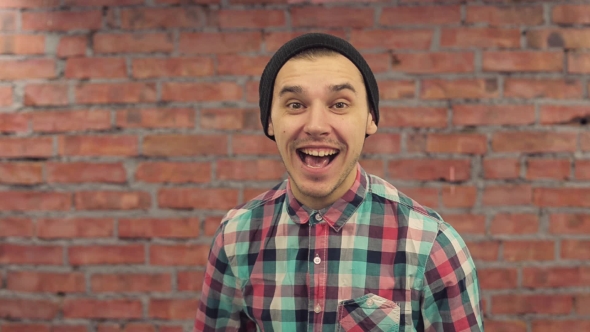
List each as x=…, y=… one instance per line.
x=106, y=254
x=518, y=304
x=29, y=3
x=211, y=223
x=553, y=114
x=506, y=326
x=534, y=142
x=197, y=198
x=465, y=223
x=391, y=90
x=23, y=308
x=38, y=147
x=173, y=309
x=507, y=195
x=112, y=200
x=522, y=61
x=107, y=309
x=95, y=68
x=61, y=21
x=313, y=16
x=250, y=170
x=583, y=304
x=505, y=15
x=563, y=38
x=126, y=327
x=21, y=44
x=179, y=255
x=133, y=43
x=241, y=65
x=131, y=282
x=153, y=228
x=415, y=117
x=21, y=173
x=459, y=197
x=217, y=91
x=514, y=223
x=69, y=328
x=7, y=20
x=25, y=327
x=378, y=62
x=472, y=115
x=261, y=18
x=425, y=196
x=72, y=46
x=373, y=166
x=106, y=93
x=382, y=143
x=497, y=278
x=95, y=3
x=252, y=91
x=561, y=197
x=546, y=88
x=426, y=63
x=582, y=170
x=98, y=146
x=34, y=201
x=254, y=145
x=193, y=1
x=190, y=280
x=274, y=40
x=392, y=39
x=219, y=42
x=162, y=17
x=484, y=250
x=428, y=169
x=184, y=145
x=530, y=250
x=435, y=15
x=156, y=118
x=46, y=95
x=557, y=169
x=560, y=325
x=27, y=68
x=555, y=277
x=74, y=228
x=30, y=254
x=172, y=67
x=457, y=143
x=571, y=14
x=82, y=172
x=46, y=282
x=14, y=122
x=480, y=38
x=6, y=98
x=230, y=119
x=585, y=141
x=16, y=227
x=170, y=172
x=459, y=88
x=68, y=121
x=578, y=63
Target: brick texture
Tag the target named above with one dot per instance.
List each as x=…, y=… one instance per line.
x=129, y=127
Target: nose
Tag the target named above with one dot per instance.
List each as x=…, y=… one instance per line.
x=317, y=123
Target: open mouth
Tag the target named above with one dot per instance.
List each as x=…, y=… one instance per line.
x=317, y=158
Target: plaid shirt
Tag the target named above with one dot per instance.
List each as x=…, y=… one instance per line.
x=375, y=260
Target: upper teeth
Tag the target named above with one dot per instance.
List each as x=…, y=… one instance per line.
x=319, y=152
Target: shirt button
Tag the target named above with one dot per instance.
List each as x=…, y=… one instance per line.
x=317, y=309
x=318, y=217
x=370, y=302
x=317, y=260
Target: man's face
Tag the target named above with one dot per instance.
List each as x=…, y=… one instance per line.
x=319, y=118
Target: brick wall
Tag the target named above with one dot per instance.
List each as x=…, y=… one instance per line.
x=128, y=127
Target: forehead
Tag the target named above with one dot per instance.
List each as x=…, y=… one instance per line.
x=325, y=69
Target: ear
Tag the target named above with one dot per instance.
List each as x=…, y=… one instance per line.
x=271, y=130
x=371, y=125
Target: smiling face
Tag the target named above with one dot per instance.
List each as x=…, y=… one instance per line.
x=319, y=118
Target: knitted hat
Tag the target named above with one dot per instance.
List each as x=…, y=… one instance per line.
x=299, y=44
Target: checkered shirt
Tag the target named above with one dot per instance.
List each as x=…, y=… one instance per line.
x=375, y=260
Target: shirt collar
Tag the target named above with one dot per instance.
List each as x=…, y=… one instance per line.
x=337, y=214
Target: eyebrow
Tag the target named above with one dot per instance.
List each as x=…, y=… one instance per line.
x=340, y=87
x=299, y=90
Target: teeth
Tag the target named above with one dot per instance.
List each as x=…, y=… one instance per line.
x=318, y=152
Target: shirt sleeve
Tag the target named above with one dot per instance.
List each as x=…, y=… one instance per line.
x=220, y=307
x=450, y=297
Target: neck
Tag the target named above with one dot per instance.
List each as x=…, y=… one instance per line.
x=318, y=203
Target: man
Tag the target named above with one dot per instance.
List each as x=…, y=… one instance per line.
x=332, y=248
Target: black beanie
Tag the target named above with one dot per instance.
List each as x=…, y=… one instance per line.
x=299, y=44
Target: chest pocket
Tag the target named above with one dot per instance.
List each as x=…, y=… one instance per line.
x=370, y=313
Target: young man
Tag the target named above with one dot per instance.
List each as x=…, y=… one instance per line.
x=333, y=248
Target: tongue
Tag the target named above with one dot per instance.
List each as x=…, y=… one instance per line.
x=316, y=162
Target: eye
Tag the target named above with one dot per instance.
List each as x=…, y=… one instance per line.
x=295, y=105
x=340, y=105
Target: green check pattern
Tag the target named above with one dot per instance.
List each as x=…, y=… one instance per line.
x=375, y=260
